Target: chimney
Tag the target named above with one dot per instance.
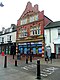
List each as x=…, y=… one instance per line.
x=3, y=28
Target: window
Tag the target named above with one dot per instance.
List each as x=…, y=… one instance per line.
x=2, y=39
x=36, y=17
x=35, y=30
x=58, y=32
x=58, y=50
x=23, y=33
x=50, y=35
x=8, y=37
x=31, y=18
x=24, y=21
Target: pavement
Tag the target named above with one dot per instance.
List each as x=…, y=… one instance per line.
x=49, y=71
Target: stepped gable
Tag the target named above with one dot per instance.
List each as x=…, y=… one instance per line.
x=29, y=10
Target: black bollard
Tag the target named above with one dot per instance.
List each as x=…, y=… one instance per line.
x=26, y=60
x=30, y=58
x=13, y=55
x=15, y=62
x=5, y=62
x=38, y=69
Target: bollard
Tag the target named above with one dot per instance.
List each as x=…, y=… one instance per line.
x=5, y=62
x=38, y=69
x=13, y=56
x=26, y=60
x=15, y=62
x=30, y=58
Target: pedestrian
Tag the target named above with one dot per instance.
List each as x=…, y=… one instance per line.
x=2, y=53
x=32, y=53
x=46, y=57
x=19, y=55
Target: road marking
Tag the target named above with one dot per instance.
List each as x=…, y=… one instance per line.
x=25, y=68
x=29, y=67
x=52, y=68
x=44, y=75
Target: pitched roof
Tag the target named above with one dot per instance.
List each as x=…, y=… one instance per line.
x=52, y=25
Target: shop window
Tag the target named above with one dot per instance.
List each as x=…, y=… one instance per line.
x=0, y=50
x=25, y=50
x=34, y=50
x=40, y=50
x=21, y=50
x=58, y=50
x=58, y=32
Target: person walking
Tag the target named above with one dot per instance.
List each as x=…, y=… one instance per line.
x=46, y=55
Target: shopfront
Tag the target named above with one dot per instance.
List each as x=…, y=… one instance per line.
x=35, y=46
x=8, y=48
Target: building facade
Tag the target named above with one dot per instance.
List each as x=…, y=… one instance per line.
x=30, y=31
x=8, y=40
x=52, y=37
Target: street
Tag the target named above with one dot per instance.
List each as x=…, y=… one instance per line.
x=28, y=71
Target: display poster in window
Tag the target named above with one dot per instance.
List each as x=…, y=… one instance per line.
x=40, y=50
x=25, y=50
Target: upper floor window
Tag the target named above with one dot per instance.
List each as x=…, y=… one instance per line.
x=23, y=33
x=50, y=35
x=2, y=39
x=31, y=18
x=35, y=30
x=34, y=18
x=58, y=32
x=24, y=21
x=8, y=37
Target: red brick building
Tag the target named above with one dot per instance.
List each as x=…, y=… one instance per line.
x=30, y=30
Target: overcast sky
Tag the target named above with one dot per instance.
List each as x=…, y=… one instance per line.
x=13, y=9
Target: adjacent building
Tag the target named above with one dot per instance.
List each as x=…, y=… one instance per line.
x=30, y=31
x=8, y=40
x=52, y=37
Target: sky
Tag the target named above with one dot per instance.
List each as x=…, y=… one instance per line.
x=13, y=9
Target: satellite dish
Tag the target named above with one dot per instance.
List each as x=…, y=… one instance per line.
x=1, y=4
